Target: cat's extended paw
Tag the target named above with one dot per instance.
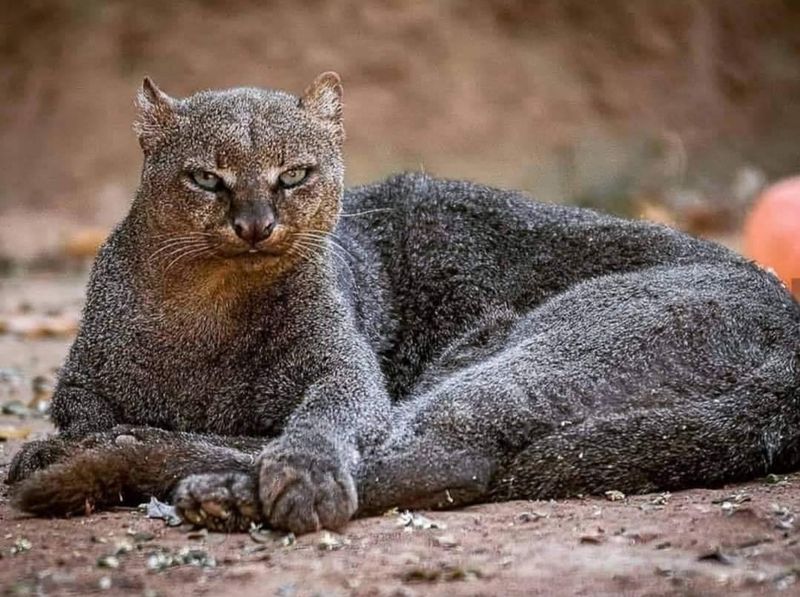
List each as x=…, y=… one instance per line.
x=225, y=502
x=303, y=492
x=34, y=456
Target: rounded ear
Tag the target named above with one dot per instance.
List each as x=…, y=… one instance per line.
x=323, y=98
x=156, y=115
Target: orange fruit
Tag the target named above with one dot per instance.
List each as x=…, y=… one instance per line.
x=772, y=231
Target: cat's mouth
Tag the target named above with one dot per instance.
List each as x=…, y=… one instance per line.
x=251, y=256
x=278, y=246
x=270, y=248
x=258, y=253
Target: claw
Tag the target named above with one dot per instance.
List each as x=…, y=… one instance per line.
x=191, y=516
x=215, y=509
x=248, y=511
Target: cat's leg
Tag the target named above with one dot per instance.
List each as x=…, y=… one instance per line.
x=39, y=454
x=751, y=430
x=42, y=453
x=423, y=463
x=131, y=464
x=663, y=378
x=211, y=479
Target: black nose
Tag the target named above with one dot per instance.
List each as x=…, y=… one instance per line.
x=253, y=229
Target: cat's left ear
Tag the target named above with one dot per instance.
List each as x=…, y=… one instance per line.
x=156, y=118
x=323, y=99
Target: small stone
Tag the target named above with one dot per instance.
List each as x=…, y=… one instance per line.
x=664, y=570
x=784, y=524
x=197, y=535
x=42, y=387
x=123, y=547
x=21, y=545
x=251, y=549
x=530, y=516
x=15, y=408
x=661, y=499
x=108, y=562
x=330, y=542
x=159, y=561
x=412, y=520
x=614, y=496
x=259, y=534
x=446, y=541
x=10, y=432
x=288, y=540
x=718, y=556
x=421, y=574
x=735, y=498
x=141, y=536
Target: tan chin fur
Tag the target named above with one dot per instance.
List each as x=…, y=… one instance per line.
x=91, y=480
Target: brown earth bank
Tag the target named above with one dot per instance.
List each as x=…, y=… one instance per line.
x=739, y=539
x=572, y=100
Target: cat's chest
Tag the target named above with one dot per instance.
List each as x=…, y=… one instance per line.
x=192, y=386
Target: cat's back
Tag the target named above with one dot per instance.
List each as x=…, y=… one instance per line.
x=417, y=198
x=453, y=249
x=465, y=225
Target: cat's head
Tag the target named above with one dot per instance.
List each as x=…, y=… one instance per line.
x=249, y=178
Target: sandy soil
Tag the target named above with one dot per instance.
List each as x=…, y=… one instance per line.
x=735, y=540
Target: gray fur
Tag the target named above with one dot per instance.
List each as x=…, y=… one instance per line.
x=438, y=343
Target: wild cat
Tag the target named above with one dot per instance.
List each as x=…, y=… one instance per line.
x=260, y=344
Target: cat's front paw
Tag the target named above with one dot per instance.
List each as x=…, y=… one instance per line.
x=34, y=456
x=225, y=502
x=304, y=492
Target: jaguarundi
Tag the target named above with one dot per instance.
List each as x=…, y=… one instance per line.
x=261, y=345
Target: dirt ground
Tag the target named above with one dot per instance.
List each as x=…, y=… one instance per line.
x=735, y=540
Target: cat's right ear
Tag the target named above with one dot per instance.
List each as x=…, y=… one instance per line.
x=156, y=117
x=323, y=100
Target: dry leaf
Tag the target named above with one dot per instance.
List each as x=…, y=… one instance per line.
x=9, y=432
x=39, y=326
x=84, y=244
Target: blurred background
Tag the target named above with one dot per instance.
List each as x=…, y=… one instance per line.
x=686, y=112
x=678, y=111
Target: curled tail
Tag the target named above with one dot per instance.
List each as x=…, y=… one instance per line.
x=93, y=480
x=114, y=475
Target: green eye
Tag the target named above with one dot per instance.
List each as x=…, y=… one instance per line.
x=206, y=180
x=293, y=177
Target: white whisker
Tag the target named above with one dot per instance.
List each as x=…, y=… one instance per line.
x=319, y=243
x=178, y=247
x=175, y=243
x=190, y=253
x=366, y=211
